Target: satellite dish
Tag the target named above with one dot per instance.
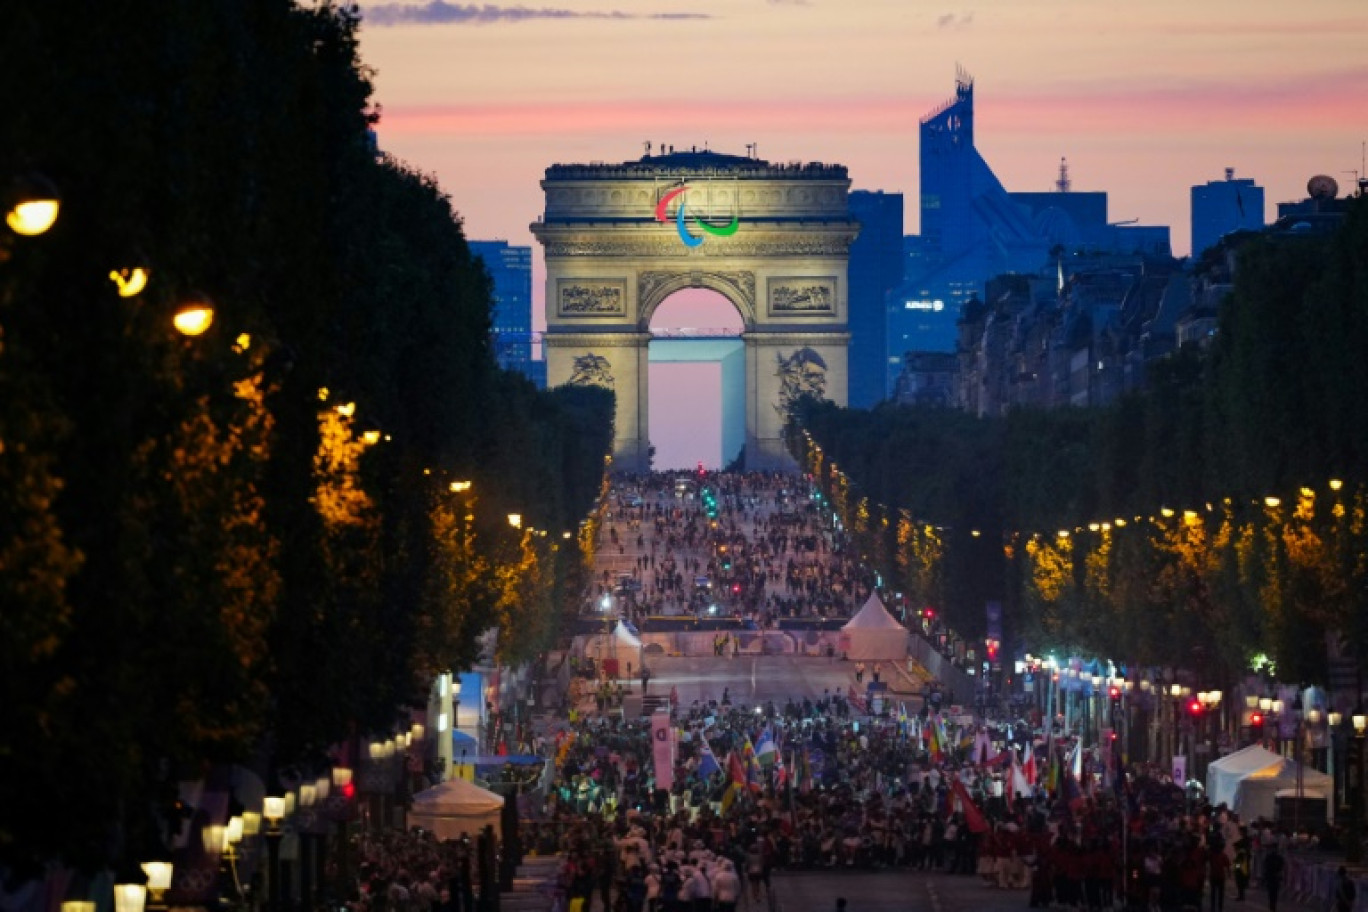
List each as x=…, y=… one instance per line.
x=1322, y=187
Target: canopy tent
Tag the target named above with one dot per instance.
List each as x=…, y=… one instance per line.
x=874, y=635
x=1248, y=781
x=621, y=644
x=455, y=807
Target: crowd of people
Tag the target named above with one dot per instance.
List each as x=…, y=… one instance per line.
x=846, y=791
x=749, y=546
x=821, y=783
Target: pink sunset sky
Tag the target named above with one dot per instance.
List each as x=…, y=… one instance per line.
x=1145, y=99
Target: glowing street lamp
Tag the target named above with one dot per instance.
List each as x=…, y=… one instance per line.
x=130, y=281
x=515, y=520
x=32, y=206
x=194, y=317
x=130, y=897
x=158, y=879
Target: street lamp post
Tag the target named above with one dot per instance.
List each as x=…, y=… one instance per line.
x=273, y=809
x=1354, y=787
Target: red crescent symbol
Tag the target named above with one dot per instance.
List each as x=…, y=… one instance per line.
x=665, y=201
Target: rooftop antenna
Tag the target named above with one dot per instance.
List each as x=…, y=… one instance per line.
x=1063, y=185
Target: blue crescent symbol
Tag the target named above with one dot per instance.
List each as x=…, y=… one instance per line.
x=688, y=239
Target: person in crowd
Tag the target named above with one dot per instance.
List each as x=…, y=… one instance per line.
x=1274, y=866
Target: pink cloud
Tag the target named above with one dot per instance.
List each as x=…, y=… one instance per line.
x=1297, y=102
x=890, y=114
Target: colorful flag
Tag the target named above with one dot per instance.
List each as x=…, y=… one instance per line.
x=752, y=764
x=707, y=761
x=983, y=748
x=1028, y=769
x=765, y=751
x=736, y=770
x=1018, y=783
x=973, y=817
x=730, y=797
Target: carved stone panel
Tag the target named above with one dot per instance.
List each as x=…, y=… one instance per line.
x=591, y=370
x=802, y=296
x=801, y=373
x=590, y=298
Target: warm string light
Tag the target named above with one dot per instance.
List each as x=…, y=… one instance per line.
x=1190, y=517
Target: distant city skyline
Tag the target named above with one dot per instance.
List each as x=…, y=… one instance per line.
x=1145, y=101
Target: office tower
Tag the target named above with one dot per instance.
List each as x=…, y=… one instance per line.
x=1222, y=207
x=876, y=268
x=510, y=268
x=970, y=227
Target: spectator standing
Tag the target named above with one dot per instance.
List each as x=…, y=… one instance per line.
x=1273, y=868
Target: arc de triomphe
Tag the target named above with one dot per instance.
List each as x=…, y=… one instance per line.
x=773, y=239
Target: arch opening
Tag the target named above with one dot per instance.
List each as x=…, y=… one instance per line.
x=697, y=378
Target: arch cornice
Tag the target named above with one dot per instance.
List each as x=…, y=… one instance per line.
x=597, y=340
x=654, y=286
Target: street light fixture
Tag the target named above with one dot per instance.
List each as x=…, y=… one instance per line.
x=33, y=205
x=130, y=281
x=194, y=317
x=130, y=897
x=158, y=879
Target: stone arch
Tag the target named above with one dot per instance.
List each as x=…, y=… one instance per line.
x=616, y=246
x=654, y=286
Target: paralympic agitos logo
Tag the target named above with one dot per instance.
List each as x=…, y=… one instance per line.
x=681, y=219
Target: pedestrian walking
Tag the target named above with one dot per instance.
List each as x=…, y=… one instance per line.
x=1345, y=891
x=1242, y=864
x=1273, y=868
x=1218, y=866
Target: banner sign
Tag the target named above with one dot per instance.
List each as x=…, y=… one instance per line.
x=662, y=749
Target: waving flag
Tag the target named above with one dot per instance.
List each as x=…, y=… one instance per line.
x=1019, y=784
x=736, y=770
x=752, y=764
x=765, y=752
x=973, y=817
x=933, y=744
x=1028, y=769
x=983, y=748
x=707, y=761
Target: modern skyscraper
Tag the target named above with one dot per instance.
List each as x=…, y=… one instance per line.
x=511, y=270
x=971, y=229
x=1222, y=207
x=876, y=268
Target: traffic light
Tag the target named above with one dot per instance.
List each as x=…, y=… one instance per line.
x=1195, y=707
x=1256, y=726
x=1114, y=694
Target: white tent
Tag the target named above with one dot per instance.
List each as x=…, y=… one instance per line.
x=874, y=635
x=455, y=807
x=621, y=644
x=1249, y=780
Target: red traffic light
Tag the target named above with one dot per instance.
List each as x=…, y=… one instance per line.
x=349, y=791
x=1114, y=692
x=1195, y=707
x=1256, y=719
